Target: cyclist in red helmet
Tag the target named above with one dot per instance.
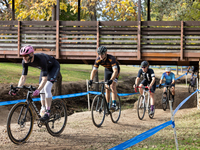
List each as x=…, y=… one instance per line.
x=50, y=68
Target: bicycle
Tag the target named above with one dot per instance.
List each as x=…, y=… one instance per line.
x=20, y=119
x=144, y=103
x=100, y=107
x=192, y=84
x=168, y=97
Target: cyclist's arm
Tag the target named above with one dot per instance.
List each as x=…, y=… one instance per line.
x=188, y=69
x=153, y=81
x=173, y=82
x=43, y=82
x=162, y=77
x=137, y=81
x=22, y=80
x=161, y=81
x=114, y=74
x=173, y=79
x=93, y=72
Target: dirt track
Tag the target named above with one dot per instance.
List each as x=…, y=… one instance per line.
x=80, y=133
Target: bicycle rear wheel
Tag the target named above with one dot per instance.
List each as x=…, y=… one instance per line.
x=189, y=88
x=98, y=110
x=58, y=118
x=115, y=115
x=195, y=86
x=164, y=105
x=20, y=123
x=141, y=108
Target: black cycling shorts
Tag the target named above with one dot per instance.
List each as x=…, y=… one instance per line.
x=108, y=75
x=52, y=72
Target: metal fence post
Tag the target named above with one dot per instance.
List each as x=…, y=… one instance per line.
x=173, y=124
x=186, y=79
x=88, y=96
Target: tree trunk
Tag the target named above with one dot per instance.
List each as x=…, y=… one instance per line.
x=57, y=86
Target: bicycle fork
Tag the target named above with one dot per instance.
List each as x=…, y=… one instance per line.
x=147, y=102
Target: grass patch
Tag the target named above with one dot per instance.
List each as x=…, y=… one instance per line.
x=11, y=72
x=188, y=137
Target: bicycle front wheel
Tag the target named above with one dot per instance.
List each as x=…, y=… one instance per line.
x=98, y=110
x=141, y=108
x=189, y=88
x=195, y=87
x=58, y=118
x=20, y=123
x=115, y=115
x=164, y=104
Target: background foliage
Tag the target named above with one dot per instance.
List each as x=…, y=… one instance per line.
x=104, y=10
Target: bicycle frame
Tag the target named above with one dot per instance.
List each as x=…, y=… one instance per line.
x=148, y=98
x=103, y=95
x=144, y=94
x=31, y=102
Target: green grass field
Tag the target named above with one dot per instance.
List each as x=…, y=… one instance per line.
x=11, y=72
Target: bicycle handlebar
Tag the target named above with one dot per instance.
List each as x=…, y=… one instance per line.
x=143, y=87
x=30, y=88
x=102, y=82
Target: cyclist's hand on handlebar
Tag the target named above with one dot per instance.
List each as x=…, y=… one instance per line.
x=134, y=86
x=149, y=87
x=159, y=85
x=36, y=92
x=90, y=82
x=171, y=85
x=109, y=82
x=13, y=92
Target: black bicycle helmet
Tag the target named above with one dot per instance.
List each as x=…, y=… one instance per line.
x=101, y=50
x=144, y=64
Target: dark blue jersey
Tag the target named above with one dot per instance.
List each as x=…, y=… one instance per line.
x=41, y=61
x=146, y=76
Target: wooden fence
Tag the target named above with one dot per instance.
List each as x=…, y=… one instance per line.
x=128, y=41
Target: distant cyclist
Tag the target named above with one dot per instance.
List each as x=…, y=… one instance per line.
x=195, y=70
x=169, y=80
x=50, y=68
x=111, y=73
x=149, y=80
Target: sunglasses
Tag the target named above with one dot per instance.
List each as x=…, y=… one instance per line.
x=143, y=67
x=167, y=72
x=101, y=54
x=25, y=55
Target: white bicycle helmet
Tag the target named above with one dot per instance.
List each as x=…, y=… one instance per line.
x=168, y=69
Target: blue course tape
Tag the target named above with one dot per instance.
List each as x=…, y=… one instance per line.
x=70, y=95
x=38, y=99
x=120, y=94
x=127, y=94
x=141, y=137
x=181, y=104
x=94, y=92
x=181, y=76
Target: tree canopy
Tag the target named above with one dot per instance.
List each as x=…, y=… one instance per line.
x=104, y=10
